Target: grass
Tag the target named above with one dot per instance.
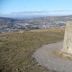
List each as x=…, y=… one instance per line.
x=16, y=49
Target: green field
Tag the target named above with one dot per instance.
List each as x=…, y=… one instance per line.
x=16, y=49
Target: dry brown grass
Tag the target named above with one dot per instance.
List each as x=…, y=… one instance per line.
x=16, y=49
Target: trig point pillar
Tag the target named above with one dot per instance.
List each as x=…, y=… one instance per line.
x=67, y=46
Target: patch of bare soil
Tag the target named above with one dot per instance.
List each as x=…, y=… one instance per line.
x=47, y=58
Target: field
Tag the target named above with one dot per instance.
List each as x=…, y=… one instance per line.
x=16, y=49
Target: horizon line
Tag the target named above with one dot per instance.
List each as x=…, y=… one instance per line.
x=39, y=11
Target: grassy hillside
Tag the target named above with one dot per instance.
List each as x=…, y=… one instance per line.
x=16, y=49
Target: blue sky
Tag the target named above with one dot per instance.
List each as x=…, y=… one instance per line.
x=57, y=6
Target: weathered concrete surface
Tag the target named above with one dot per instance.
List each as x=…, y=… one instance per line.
x=67, y=46
x=45, y=57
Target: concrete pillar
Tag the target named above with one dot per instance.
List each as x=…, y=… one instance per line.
x=67, y=46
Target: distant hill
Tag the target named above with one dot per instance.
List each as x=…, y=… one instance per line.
x=14, y=24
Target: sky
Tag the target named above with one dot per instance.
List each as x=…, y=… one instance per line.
x=47, y=6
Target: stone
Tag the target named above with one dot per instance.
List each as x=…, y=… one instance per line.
x=67, y=45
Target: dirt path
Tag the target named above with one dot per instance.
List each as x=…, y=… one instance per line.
x=45, y=57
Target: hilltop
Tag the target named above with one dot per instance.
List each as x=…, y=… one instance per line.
x=16, y=49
